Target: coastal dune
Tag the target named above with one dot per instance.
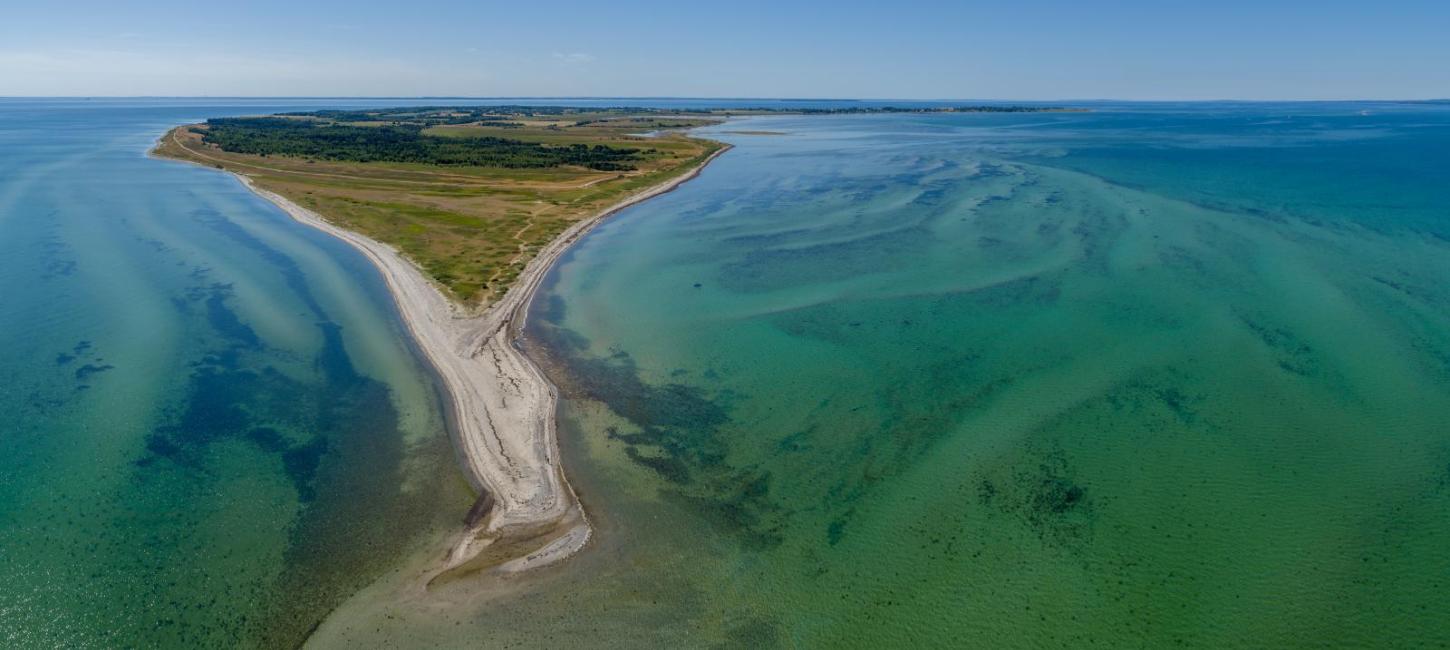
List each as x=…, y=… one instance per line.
x=502, y=407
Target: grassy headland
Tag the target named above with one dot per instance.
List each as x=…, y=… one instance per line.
x=469, y=194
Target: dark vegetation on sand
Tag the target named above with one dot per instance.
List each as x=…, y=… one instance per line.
x=401, y=142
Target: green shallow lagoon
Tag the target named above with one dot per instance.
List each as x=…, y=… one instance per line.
x=214, y=429
x=1152, y=376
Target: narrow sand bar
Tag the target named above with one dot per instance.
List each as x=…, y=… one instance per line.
x=503, y=407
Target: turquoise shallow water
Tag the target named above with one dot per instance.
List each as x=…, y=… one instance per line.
x=1150, y=376
x=214, y=429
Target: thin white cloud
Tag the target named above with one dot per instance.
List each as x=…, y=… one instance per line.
x=574, y=58
x=129, y=72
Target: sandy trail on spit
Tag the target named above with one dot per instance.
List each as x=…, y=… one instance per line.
x=503, y=407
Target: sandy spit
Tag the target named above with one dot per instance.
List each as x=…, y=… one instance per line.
x=503, y=405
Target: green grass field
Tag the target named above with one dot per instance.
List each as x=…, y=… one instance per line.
x=471, y=228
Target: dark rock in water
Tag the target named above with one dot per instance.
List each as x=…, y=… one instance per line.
x=698, y=285
x=985, y=491
x=63, y=358
x=668, y=467
x=268, y=439
x=91, y=369
x=755, y=633
x=301, y=465
x=160, y=445
x=835, y=531
x=1059, y=496
x=224, y=320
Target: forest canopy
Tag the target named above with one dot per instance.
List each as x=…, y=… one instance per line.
x=400, y=143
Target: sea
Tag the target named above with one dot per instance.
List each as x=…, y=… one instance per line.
x=1144, y=375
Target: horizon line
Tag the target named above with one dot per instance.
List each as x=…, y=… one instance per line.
x=728, y=98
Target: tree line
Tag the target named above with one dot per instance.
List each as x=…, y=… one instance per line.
x=401, y=143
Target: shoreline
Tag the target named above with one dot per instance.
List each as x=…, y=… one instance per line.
x=499, y=405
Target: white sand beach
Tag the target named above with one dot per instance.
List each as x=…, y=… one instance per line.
x=503, y=407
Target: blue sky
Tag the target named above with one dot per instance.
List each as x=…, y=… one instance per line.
x=903, y=49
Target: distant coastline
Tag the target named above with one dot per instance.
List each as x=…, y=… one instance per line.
x=979, y=108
